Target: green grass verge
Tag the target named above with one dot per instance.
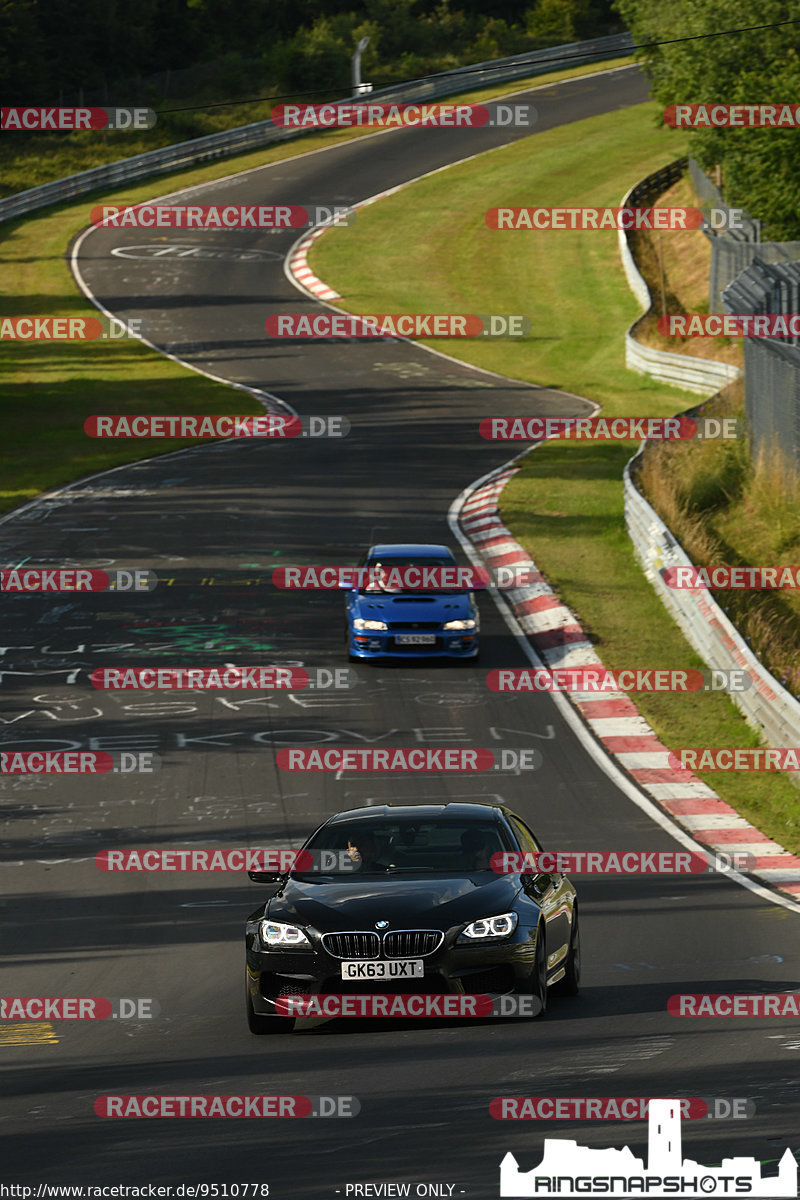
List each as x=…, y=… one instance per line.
x=49, y=389
x=566, y=505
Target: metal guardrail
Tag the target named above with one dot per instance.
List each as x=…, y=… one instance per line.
x=700, y=375
x=767, y=705
x=264, y=133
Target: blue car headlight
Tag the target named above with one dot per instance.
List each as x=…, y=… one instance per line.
x=489, y=929
x=277, y=935
x=359, y=623
x=468, y=623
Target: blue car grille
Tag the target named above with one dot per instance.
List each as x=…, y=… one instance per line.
x=413, y=624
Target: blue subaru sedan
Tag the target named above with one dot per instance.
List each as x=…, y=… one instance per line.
x=389, y=617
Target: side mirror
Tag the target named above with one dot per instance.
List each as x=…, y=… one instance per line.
x=266, y=876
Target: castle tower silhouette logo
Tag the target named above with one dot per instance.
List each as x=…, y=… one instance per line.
x=568, y=1169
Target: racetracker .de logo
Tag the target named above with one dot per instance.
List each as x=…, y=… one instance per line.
x=226, y=1106
x=204, y=679
x=730, y=116
x=731, y=578
x=729, y=1004
x=76, y=1008
x=395, y=116
x=600, y=680
x=407, y=758
x=202, y=216
x=266, y=425
x=76, y=579
x=736, y=758
x=607, y=429
x=594, y=218
x=389, y=325
x=730, y=325
x=617, y=862
x=612, y=1108
x=78, y=762
x=28, y=120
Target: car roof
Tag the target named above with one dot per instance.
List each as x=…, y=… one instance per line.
x=457, y=810
x=420, y=549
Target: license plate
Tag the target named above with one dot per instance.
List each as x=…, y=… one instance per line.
x=399, y=968
x=416, y=639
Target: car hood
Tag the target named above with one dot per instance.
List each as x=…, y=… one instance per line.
x=430, y=902
x=410, y=608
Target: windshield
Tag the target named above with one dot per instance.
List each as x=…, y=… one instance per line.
x=393, y=847
x=391, y=575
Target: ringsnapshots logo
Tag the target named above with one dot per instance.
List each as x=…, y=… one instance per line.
x=70, y=120
x=609, y=429
x=219, y=216
x=397, y=325
x=398, y=116
x=76, y=579
x=222, y=426
x=569, y=1170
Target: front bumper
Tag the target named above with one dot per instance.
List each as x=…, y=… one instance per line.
x=380, y=644
x=496, y=970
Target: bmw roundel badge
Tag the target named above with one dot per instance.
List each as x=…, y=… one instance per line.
x=381, y=924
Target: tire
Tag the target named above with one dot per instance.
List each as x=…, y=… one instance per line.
x=539, y=980
x=260, y=1025
x=570, y=985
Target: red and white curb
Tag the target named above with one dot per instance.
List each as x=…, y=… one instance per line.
x=558, y=639
x=301, y=272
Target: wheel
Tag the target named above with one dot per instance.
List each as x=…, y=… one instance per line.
x=259, y=1024
x=540, y=983
x=570, y=985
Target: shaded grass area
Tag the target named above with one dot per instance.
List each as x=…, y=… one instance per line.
x=566, y=504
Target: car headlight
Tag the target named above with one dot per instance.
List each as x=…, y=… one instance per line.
x=278, y=935
x=490, y=928
x=360, y=623
x=467, y=624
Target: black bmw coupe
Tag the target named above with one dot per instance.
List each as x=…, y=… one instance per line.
x=411, y=904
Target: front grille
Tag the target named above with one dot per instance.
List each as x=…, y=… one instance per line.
x=352, y=945
x=410, y=625
x=412, y=943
